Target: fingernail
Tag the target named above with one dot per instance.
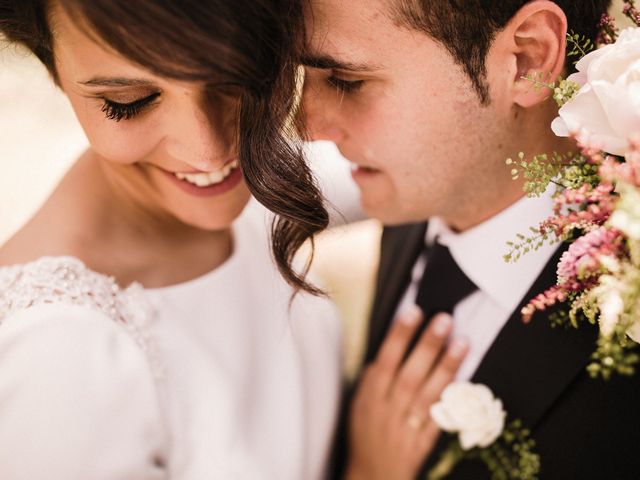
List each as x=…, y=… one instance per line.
x=442, y=324
x=458, y=347
x=411, y=315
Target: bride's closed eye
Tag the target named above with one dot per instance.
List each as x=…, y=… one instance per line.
x=117, y=111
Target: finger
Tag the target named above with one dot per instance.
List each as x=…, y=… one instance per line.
x=426, y=441
x=414, y=371
x=443, y=374
x=395, y=346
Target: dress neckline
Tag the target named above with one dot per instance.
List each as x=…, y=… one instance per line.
x=76, y=263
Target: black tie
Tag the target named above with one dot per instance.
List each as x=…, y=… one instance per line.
x=443, y=284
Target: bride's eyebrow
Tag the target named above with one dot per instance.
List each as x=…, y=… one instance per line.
x=327, y=62
x=117, y=82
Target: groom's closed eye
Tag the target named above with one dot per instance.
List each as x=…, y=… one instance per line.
x=340, y=71
x=344, y=86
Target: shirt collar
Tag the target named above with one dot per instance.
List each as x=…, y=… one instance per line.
x=479, y=251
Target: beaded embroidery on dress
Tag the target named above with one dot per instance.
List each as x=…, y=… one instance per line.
x=67, y=280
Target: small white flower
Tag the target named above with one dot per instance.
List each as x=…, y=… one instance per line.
x=611, y=307
x=608, y=294
x=626, y=216
x=634, y=332
x=607, y=107
x=472, y=411
x=611, y=263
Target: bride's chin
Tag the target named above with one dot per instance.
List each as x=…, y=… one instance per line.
x=212, y=218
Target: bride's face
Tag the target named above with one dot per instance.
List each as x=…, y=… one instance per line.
x=166, y=143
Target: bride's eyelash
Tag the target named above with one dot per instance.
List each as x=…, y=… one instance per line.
x=345, y=86
x=126, y=111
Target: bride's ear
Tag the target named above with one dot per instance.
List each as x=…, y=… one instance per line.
x=535, y=42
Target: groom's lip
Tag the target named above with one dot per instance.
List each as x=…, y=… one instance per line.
x=362, y=174
x=357, y=166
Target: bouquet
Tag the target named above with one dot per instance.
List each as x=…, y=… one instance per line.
x=597, y=198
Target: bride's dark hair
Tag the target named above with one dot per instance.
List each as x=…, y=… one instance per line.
x=244, y=45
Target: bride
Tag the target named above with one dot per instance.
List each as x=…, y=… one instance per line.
x=145, y=332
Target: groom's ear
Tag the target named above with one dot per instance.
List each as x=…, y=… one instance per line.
x=533, y=44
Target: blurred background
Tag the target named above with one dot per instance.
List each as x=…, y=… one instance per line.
x=40, y=138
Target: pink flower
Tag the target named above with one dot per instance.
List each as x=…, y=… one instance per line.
x=580, y=266
x=556, y=294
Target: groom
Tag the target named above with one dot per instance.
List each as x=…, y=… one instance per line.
x=426, y=98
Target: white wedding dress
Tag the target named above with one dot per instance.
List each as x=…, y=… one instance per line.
x=211, y=379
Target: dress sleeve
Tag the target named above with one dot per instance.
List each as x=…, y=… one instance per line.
x=77, y=399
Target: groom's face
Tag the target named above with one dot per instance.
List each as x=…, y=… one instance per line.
x=399, y=106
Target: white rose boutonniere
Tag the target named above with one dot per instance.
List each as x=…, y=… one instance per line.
x=477, y=417
x=472, y=412
x=607, y=107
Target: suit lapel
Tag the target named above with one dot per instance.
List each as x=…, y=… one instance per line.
x=400, y=248
x=529, y=365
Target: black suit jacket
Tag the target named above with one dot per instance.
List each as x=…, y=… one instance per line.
x=585, y=429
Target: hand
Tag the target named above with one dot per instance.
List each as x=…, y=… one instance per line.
x=390, y=431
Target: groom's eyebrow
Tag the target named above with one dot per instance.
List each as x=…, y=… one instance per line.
x=327, y=62
x=117, y=82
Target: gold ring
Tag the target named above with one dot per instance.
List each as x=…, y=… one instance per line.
x=415, y=421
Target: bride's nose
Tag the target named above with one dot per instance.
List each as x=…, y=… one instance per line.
x=201, y=139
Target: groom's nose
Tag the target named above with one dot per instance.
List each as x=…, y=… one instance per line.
x=320, y=121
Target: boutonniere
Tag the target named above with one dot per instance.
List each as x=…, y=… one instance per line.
x=479, y=421
x=597, y=199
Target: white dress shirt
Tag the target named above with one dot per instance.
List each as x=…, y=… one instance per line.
x=479, y=253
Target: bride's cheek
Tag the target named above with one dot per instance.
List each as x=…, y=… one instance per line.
x=123, y=147
x=124, y=142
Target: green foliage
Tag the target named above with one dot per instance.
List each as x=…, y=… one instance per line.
x=559, y=319
x=540, y=81
x=615, y=354
x=579, y=172
x=583, y=307
x=510, y=457
x=578, y=45
x=563, y=90
x=565, y=171
x=525, y=244
x=538, y=172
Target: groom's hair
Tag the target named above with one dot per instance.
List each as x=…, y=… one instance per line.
x=467, y=27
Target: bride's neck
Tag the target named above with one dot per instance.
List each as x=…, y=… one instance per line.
x=117, y=233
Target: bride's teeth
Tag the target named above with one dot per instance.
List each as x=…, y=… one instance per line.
x=217, y=176
x=207, y=179
x=201, y=181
